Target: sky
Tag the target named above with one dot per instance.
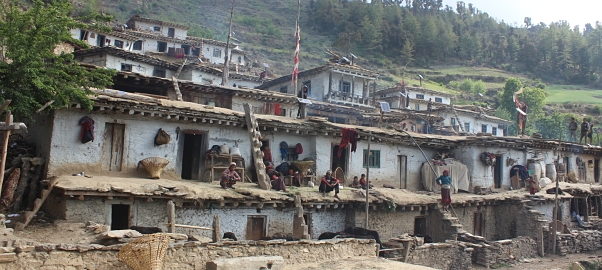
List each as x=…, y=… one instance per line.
x=513, y=12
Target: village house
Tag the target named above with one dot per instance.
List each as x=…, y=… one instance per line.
x=335, y=82
x=413, y=98
x=473, y=119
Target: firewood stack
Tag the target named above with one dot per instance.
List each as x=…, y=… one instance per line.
x=22, y=175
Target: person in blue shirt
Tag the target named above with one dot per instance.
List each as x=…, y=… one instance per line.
x=445, y=182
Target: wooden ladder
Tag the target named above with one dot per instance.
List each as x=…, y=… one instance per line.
x=37, y=204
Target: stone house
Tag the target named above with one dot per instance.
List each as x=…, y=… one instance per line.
x=472, y=120
x=418, y=98
x=338, y=83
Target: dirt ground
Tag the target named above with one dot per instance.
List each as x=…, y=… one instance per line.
x=551, y=262
x=357, y=263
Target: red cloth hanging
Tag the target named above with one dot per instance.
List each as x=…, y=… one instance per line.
x=299, y=148
x=348, y=136
x=276, y=109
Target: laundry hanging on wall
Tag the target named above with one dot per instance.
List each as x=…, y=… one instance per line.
x=87, y=131
x=348, y=136
x=488, y=158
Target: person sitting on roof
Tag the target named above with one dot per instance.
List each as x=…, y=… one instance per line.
x=276, y=178
x=229, y=177
x=355, y=183
x=297, y=177
x=328, y=184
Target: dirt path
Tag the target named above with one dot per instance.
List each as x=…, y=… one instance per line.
x=357, y=263
x=552, y=262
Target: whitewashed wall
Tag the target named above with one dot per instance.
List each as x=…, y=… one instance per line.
x=475, y=124
x=208, y=49
x=179, y=33
x=238, y=103
x=291, y=139
x=201, y=77
x=69, y=155
x=92, y=41
x=115, y=62
x=319, y=84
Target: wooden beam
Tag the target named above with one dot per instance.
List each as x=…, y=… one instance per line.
x=3, y=149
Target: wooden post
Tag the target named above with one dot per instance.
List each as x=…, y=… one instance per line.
x=329, y=85
x=368, y=181
x=216, y=229
x=23, y=180
x=171, y=217
x=406, y=250
x=4, y=149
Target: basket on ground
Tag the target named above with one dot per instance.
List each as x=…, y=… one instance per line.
x=145, y=253
x=154, y=166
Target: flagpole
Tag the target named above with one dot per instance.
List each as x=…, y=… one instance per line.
x=297, y=41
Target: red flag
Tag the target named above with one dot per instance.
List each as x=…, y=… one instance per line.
x=296, y=58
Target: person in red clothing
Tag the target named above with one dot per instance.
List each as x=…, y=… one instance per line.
x=267, y=155
x=328, y=184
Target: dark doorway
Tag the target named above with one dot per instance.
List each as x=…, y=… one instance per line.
x=339, y=161
x=597, y=170
x=255, y=227
x=186, y=49
x=100, y=40
x=120, y=217
x=478, y=224
x=161, y=46
x=307, y=218
x=113, y=146
x=420, y=226
x=171, y=32
x=403, y=171
x=567, y=161
x=497, y=171
x=191, y=156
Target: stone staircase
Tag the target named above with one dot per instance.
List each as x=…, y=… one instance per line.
x=452, y=222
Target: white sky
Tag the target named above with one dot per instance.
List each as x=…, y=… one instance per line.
x=513, y=12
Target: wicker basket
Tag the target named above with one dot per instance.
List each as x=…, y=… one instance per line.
x=303, y=166
x=339, y=174
x=154, y=166
x=145, y=253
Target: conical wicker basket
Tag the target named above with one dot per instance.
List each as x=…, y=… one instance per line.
x=303, y=166
x=145, y=253
x=154, y=166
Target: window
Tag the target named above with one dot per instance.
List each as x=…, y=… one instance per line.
x=292, y=155
x=484, y=128
x=417, y=106
x=438, y=99
x=308, y=84
x=100, y=41
x=157, y=28
x=282, y=113
x=83, y=35
x=467, y=127
x=159, y=72
x=137, y=45
x=217, y=53
x=494, y=131
x=161, y=46
x=373, y=160
x=171, y=32
x=453, y=121
x=119, y=43
x=419, y=96
x=345, y=87
x=126, y=67
x=240, y=59
x=284, y=89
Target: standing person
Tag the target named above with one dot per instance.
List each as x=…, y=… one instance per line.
x=573, y=130
x=267, y=155
x=445, y=182
x=302, y=94
x=584, y=130
x=590, y=134
x=229, y=177
x=328, y=184
x=531, y=182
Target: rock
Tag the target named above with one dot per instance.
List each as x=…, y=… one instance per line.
x=119, y=234
x=178, y=236
x=576, y=266
x=199, y=238
x=243, y=263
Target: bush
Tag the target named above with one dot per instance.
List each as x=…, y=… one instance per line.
x=260, y=25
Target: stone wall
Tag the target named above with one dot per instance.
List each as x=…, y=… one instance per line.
x=448, y=256
x=504, y=251
x=578, y=241
x=182, y=255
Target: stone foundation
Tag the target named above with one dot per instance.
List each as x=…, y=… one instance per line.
x=182, y=255
x=504, y=251
x=448, y=256
x=578, y=241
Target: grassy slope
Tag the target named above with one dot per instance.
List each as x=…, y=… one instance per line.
x=573, y=94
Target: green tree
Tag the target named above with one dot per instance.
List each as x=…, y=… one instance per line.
x=31, y=73
x=533, y=97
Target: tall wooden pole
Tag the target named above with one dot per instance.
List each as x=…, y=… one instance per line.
x=555, y=214
x=4, y=149
x=296, y=85
x=226, y=71
x=368, y=180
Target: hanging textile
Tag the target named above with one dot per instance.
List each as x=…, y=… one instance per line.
x=276, y=109
x=348, y=136
x=299, y=148
x=283, y=149
x=87, y=131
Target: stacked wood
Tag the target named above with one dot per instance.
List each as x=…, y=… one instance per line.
x=14, y=189
x=8, y=191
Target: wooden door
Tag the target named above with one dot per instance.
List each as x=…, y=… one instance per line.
x=255, y=227
x=479, y=224
x=403, y=171
x=113, y=143
x=420, y=226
